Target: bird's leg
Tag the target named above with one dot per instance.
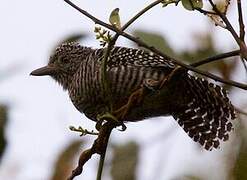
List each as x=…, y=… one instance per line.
x=135, y=98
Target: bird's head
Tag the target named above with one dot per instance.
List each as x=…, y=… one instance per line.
x=64, y=63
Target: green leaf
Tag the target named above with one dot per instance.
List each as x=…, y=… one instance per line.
x=3, y=121
x=124, y=161
x=189, y=177
x=115, y=18
x=156, y=40
x=65, y=161
x=240, y=166
x=192, y=4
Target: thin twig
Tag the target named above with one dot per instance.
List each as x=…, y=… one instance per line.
x=205, y=12
x=241, y=29
x=82, y=131
x=105, y=81
x=143, y=44
x=134, y=18
x=84, y=157
x=104, y=63
x=226, y=21
x=115, y=37
x=107, y=53
x=216, y=58
x=101, y=164
x=102, y=155
x=100, y=167
x=240, y=20
x=99, y=146
x=113, y=41
x=243, y=48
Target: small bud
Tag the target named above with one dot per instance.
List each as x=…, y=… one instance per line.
x=114, y=18
x=97, y=29
x=98, y=36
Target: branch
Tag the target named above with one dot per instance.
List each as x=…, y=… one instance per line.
x=113, y=41
x=105, y=81
x=243, y=48
x=99, y=146
x=143, y=44
x=107, y=52
x=241, y=28
x=240, y=20
x=144, y=10
x=108, y=130
x=205, y=12
x=216, y=58
x=104, y=76
x=226, y=21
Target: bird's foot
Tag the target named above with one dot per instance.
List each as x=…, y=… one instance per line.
x=109, y=117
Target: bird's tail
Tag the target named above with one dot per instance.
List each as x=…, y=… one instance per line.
x=206, y=112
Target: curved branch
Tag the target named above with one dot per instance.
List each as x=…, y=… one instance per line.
x=226, y=21
x=216, y=58
x=205, y=12
x=134, y=18
x=143, y=44
x=240, y=20
x=105, y=80
x=229, y=27
x=113, y=41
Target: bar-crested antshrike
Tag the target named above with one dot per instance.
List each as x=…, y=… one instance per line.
x=141, y=85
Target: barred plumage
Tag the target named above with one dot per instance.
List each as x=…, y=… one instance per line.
x=201, y=108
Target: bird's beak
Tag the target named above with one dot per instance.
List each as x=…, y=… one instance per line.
x=46, y=70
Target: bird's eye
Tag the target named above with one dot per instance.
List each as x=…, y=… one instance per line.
x=63, y=60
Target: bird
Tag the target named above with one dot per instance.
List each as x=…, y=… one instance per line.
x=141, y=85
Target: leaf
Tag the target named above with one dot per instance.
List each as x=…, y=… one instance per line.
x=223, y=6
x=3, y=121
x=189, y=177
x=114, y=18
x=124, y=162
x=11, y=70
x=156, y=40
x=240, y=166
x=63, y=166
x=192, y=4
x=204, y=48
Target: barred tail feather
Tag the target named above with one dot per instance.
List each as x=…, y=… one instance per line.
x=207, y=114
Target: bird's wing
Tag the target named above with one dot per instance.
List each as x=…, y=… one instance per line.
x=122, y=56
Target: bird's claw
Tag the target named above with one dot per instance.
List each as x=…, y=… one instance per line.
x=109, y=117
